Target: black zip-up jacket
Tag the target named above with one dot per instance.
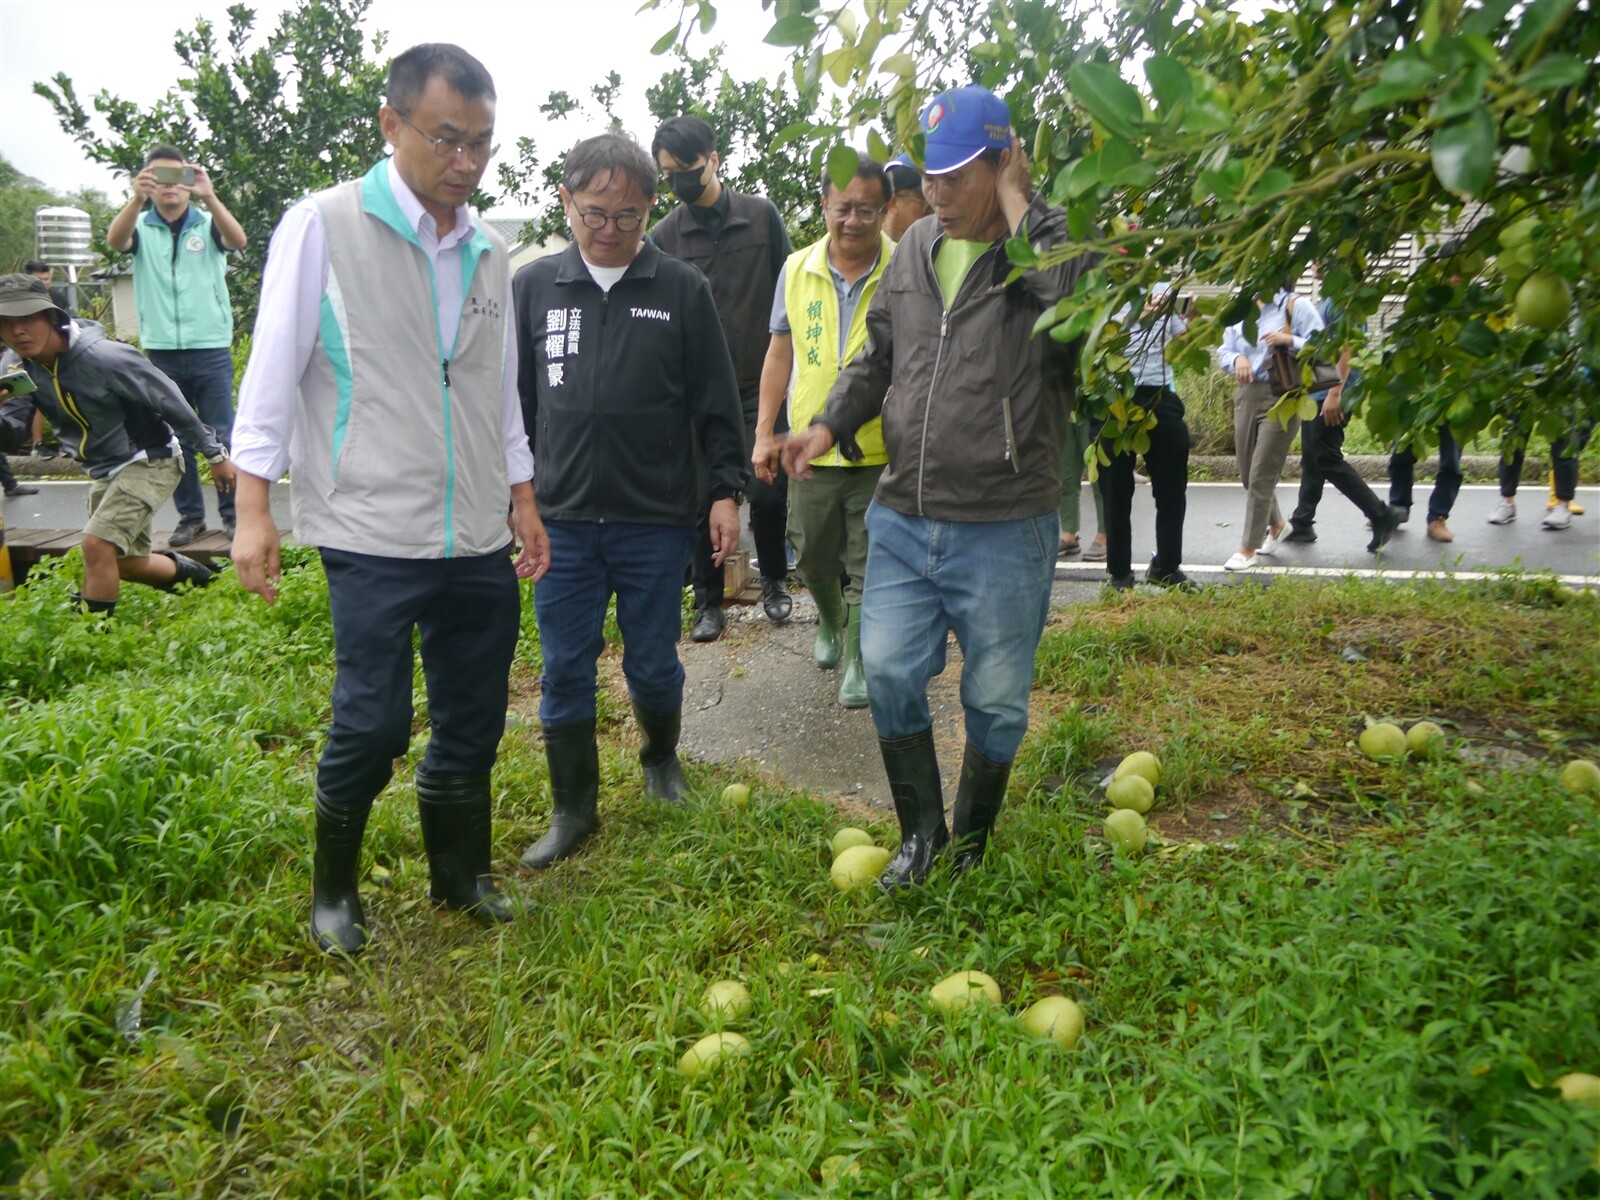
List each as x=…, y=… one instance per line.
x=628, y=397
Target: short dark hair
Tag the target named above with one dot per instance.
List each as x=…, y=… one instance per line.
x=409, y=74
x=609, y=154
x=685, y=138
x=903, y=179
x=165, y=151
x=34, y=267
x=866, y=168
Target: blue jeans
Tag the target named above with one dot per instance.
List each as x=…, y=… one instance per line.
x=205, y=377
x=989, y=581
x=643, y=566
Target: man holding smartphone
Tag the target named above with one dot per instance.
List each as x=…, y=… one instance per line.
x=180, y=286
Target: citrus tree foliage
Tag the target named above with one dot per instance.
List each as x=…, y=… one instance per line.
x=20, y=195
x=746, y=115
x=271, y=118
x=1197, y=145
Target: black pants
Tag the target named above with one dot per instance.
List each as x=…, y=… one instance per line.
x=1564, y=453
x=1167, y=460
x=467, y=610
x=8, y=478
x=769, y=519
x=1322, y=461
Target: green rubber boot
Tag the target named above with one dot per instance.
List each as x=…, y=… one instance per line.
x=853, y=687
x=830, y=625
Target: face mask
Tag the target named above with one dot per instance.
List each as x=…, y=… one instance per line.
x=687, y=185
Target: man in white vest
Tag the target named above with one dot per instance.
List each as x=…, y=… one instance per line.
x=384, y=368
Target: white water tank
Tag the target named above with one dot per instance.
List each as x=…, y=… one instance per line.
x=63, y=236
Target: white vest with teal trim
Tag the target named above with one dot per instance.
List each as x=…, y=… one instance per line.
x=395, y=453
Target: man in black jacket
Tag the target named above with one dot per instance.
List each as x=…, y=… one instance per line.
x=630, y=404
x=739, y=243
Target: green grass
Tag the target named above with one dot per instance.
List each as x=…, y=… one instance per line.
x=1354, y=988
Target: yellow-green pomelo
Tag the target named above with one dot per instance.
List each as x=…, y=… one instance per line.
x=1140, y=762
x=1579, y=1088
x=1544, y=301
x=1131, y=791
x=850, y=836
x=1581, y=775
x=838, y=1166
x=1057, y=1018
x=736, y=794
x=1425, y=739
x=710, y=1050
x=858, y=866
x=727, y=1000
x=1126, y=830
x=964, y=988
x=1383, y=740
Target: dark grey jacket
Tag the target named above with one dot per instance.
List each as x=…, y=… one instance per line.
x=974, y=405
x=107, y=402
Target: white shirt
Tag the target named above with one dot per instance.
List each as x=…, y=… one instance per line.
x=1305, y=320
x=289, y=316
x=606, y=277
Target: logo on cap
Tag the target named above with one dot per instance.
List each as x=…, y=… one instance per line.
x=933, y=116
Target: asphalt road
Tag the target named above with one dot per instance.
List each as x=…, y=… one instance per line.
x=1211, y=533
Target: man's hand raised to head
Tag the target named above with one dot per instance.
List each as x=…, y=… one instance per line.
x=1013, y=185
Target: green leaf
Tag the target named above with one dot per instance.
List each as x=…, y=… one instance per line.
x=1080, y=222
x=1485, y=19
x=1108, y=98
x=1270, y=184
x=796, y=29
x=877, y=147
x=1532, y=22
x=840, y=64
x=1169, y=80
x=1464, y=95
x=708, y=16
x=666, y=41
x=1116, y=156
x=1021, y=252
x=1554, y=71
x=1206, y=117
x=902, y=65
x=842, y=163
x=1463, y=153
x=791, y=133
x=1478, y=339
x=1082, y=176
x=1402, y=78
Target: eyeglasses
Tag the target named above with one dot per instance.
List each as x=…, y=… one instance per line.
x=480, y=151
x=626, y=222
x=862, y=212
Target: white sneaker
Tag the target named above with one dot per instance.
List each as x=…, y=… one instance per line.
x=1558, y=517
x=1504, y=513
x=1239, y=562
x=1270, y=546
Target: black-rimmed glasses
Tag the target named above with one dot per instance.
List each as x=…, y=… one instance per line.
x=626, y=222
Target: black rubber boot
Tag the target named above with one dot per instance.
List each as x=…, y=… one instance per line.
x=658, y=755
x=338, y=926
x=978, y=798
x=574, y=760
x=189, y=571
x=913, y=770
x=456, y=830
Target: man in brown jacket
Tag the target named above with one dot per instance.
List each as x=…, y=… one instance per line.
x=739, y=244
x=962, y=531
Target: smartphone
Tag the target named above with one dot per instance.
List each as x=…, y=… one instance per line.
x=18, y=383
x=165, y=174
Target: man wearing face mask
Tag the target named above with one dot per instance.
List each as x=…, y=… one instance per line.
x=739, y=244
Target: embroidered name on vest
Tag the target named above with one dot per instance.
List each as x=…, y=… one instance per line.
x=651, y=314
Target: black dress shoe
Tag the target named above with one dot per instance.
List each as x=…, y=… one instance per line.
x=1299, y=533
x=1122, y=583
x=188, y=529
x=775, y=600
x=708, y=624
x=1174, y=578
x=1384, y=525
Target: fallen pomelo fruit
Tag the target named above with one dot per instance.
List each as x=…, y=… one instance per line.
x=727, y=1000
x=711, y=1050
x=859, y=866
x=1579, y=1088
x=1057, y=1018
x=849, y=836
x=736, y=794
x=1126, y=830
x=1382, y=740
x=1140, y=762
x=1131, y=791
x=1425, y=739
x=964, y=988
x=1582, y=776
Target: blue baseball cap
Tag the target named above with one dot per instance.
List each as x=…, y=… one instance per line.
x=959, y=125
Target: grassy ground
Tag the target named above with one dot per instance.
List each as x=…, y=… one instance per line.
x=1332, y=977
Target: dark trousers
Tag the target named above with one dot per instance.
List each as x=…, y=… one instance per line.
x=205, y=377
x=591, y=561
x=467, y=611
x=8, y=477
x=1402, y=470
x=1168, y=463
x=1322, y=461
x=769, y=519
x=1564, y=453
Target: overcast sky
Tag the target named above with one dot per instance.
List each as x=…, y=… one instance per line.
x=529, y=46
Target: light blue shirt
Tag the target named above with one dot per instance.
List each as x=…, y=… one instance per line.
x=1304, y=320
